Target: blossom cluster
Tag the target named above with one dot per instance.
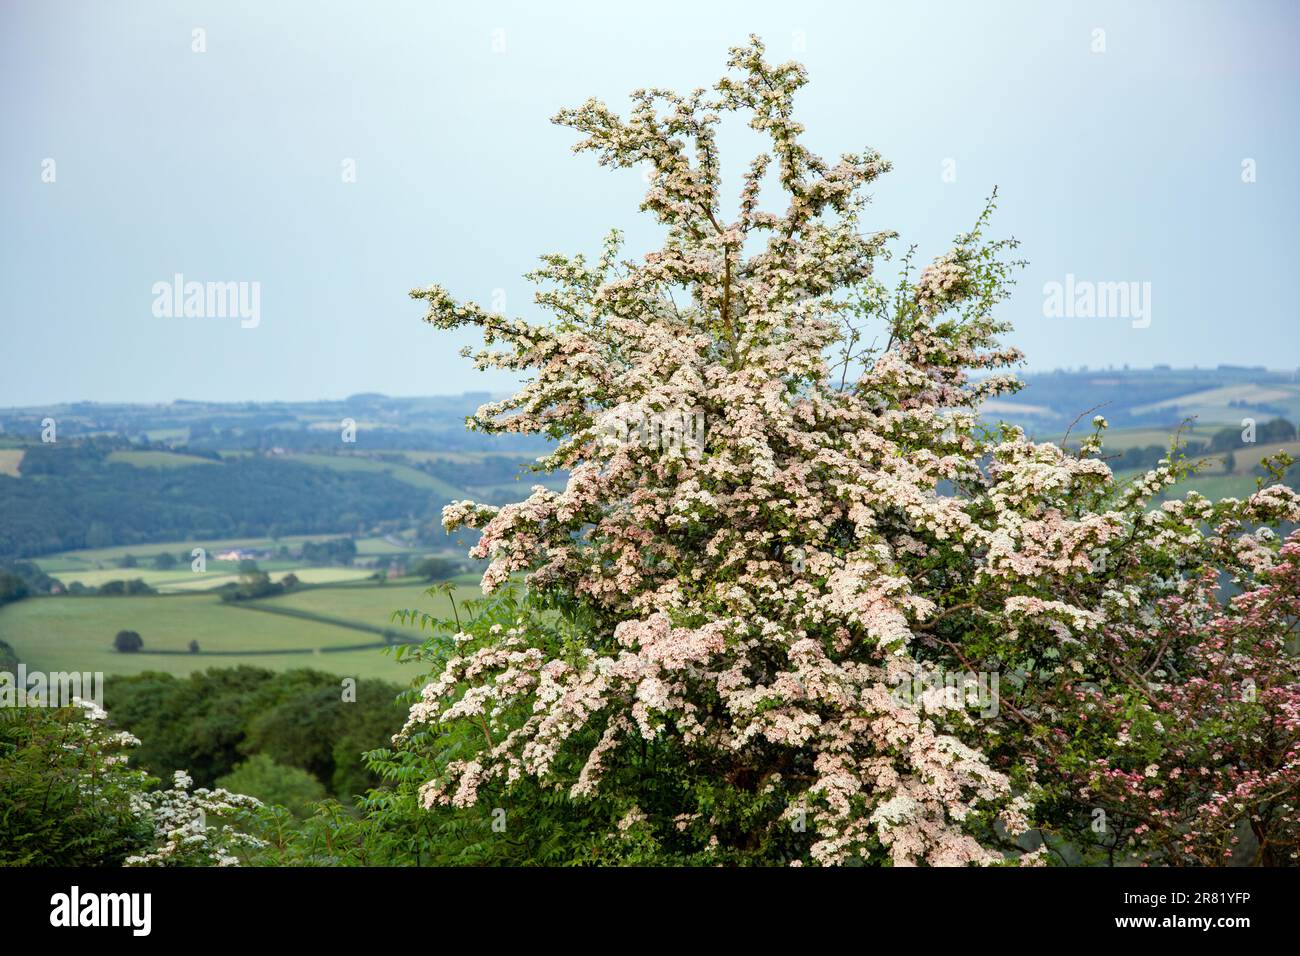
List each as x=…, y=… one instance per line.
x=183, y=835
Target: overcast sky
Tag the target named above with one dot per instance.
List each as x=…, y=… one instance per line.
x=1122, y=165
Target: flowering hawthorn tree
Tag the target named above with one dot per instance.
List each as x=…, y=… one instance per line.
x=712, y=637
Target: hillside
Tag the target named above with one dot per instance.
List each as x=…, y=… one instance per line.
x=120, y=475
x=127, y=475
x=1156, y=399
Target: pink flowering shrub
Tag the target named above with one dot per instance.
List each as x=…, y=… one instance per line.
x=706, y=660
x=1206, y=734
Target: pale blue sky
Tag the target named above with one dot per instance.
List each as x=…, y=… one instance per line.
x=226, y=166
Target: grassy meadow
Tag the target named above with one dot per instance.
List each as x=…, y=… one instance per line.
x=53, y=634
x=338, y=618
x=185, y=580
x=331, y=628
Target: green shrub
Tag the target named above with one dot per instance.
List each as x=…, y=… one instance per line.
x=64, y=799
x=273, y=783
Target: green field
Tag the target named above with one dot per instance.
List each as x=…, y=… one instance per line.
x=180, y=435
x=403, y=473
x=76, y=633
x=1215, y=487
x=157, y=459
x=1212, y=486
x=98, y=557
x=1249, y=458
x=1212, y=480
x=1119, y=439
x=465, y=457
x=64, y=563
x=373, y=605
x=374, y=547
x=218, y=574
